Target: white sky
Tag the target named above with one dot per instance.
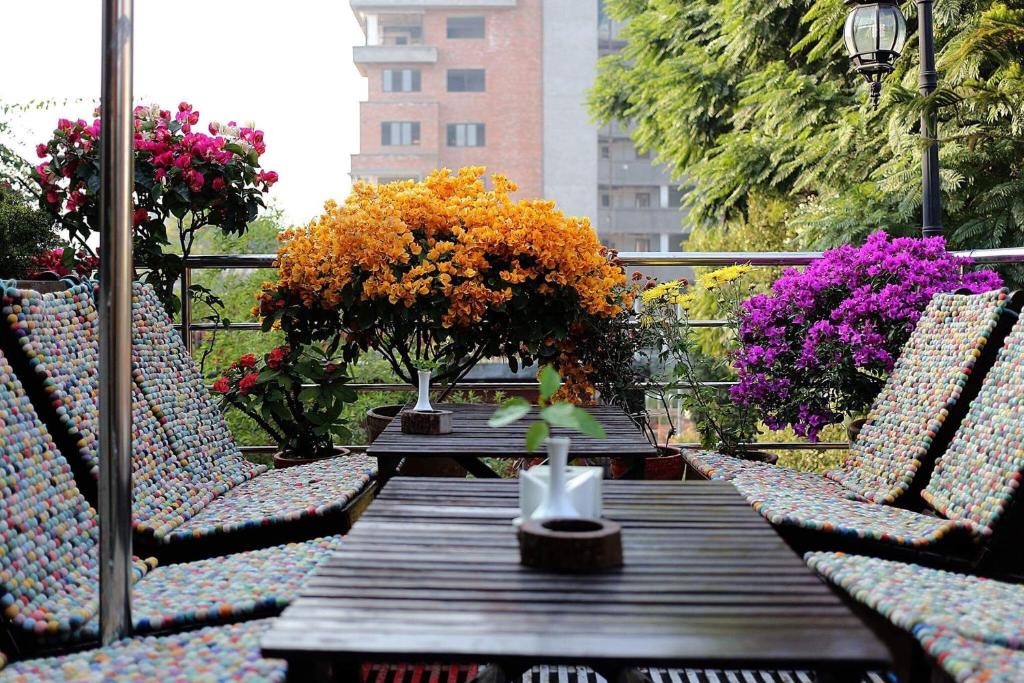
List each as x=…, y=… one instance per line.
x=284, y=64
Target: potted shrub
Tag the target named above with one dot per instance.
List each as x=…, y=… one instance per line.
x=185, y=179
x=818, y=346
x=662, y=353
x=552, y=413
x=304, y=421
x=444, y=271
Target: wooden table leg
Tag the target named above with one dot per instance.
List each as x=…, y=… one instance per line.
x=387, y=465
x=476, y=467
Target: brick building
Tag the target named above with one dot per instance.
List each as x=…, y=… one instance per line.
x=502, y=84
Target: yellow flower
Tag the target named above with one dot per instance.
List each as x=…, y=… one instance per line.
x=723, y=276
x=666, y=291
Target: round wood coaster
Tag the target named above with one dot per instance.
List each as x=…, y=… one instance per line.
x=427, y=421
x=571, y=544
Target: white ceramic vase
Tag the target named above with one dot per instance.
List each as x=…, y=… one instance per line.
x=556, y=500
x=423, y=404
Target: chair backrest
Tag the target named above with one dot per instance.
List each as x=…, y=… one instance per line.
x=174, y=388
x=173, y=478
x=923, y=399
x=979, y=475
x=48, y=568
x=56, y=335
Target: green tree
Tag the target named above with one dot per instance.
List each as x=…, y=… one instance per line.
x=756, y=105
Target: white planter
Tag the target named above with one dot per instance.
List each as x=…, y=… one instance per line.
x=556, y=501
x=423, y=403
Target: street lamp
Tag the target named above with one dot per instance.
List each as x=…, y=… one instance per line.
x=874, y=35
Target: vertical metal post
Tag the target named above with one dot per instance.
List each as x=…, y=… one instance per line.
x=931, y=198
x=115, y=322
x=186, y=306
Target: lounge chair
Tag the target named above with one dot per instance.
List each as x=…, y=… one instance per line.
x=971, y=626
x=209, y=655
x=915, y=414
x=49, y=566
x=970, y=495
x=194, y=493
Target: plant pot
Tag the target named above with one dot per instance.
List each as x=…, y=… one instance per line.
x=760, y=456
x=667, y=466
x=853, y=428
x=377, y=420
x=283, y=459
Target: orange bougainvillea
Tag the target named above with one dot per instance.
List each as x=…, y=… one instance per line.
x=448, y=271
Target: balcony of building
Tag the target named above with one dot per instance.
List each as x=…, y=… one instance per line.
x=633, y=219
x=639, y=172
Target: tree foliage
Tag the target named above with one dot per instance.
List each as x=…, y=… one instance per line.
x=756, y=103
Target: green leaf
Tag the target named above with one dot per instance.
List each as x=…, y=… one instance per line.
x=512, y=411
x=586, y=424
x=309, y=393
x=550, y=381
x=536, y=435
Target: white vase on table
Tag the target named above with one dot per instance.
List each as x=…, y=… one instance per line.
x=423, y=403
x=556, y=500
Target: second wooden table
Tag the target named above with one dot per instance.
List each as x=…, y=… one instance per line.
x=472, y=439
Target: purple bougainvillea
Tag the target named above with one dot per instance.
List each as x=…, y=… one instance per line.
x=821, y=343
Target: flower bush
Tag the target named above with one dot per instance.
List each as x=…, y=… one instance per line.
x=680, y=368
x=303, y=421
x=184, y=177
x=820, y=344
x=443, y=270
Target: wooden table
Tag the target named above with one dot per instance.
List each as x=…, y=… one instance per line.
x=471, y=439
x=431, y=573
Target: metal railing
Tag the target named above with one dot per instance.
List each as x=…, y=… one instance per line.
x=628, y=259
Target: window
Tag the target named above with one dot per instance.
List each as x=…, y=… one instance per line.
x=401, y=80
x=606, y=200
x=675, y=197
x=465, y=80
x=606, y=152
x=466, y=135
x=401, y=29
x=465, y=27
x=399, y=133
x=642, y=200
x=643, y=244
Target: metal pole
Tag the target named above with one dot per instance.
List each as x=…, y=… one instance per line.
x=115, y=322
x=186, y=307
x=931, y=198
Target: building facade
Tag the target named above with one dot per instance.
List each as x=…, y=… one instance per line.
x=503, y=84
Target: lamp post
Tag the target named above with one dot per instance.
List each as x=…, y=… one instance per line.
x=874, y=35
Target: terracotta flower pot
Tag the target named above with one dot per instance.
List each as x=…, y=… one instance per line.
x=668, y=466
x=283, y=459
x=761, y=456
x=377, y=420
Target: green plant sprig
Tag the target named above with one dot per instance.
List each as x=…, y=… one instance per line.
x=552, y=414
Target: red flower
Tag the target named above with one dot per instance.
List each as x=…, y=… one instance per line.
x=247, y=383
x=222, y=386
x=276, y=357
x=330, y=368
x=247, y=361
